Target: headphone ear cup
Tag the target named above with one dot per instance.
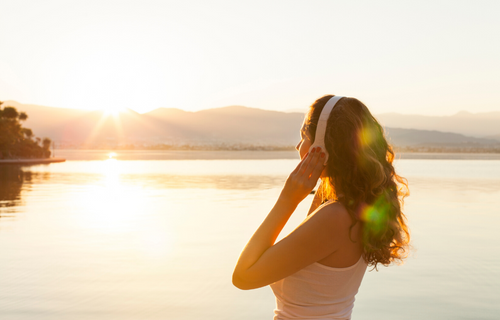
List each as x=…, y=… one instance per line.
x=323, y=149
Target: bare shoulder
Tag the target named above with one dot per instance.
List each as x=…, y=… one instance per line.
x=334, y=215
x=333, y=211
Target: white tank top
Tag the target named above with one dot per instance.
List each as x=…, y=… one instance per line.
x=318, y=292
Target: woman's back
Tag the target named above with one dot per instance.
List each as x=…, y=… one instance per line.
x=349, y=237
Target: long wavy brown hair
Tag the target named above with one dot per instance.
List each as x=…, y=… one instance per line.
x=359, y=174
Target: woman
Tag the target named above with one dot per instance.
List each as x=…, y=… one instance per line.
x=355, y=219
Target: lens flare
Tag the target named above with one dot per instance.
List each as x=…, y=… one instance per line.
x=366, y=136
x=376, y=215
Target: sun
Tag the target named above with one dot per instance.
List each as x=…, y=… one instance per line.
x=112, y=110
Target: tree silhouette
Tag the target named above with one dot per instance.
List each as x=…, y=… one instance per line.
x=46, y=142
x=19, y=142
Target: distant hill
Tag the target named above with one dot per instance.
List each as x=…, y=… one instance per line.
x=466, y=123
x=494, y=137
x=411, y=137
x=232, y=124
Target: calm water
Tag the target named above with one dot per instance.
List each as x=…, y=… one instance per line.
x=158, y=239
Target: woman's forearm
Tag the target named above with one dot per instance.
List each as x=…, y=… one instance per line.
x=265, y=236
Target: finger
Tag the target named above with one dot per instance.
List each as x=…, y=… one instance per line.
x=297, y=168
x=307, y=163
x=315, y=159
x=318, y=169
x=302, y=162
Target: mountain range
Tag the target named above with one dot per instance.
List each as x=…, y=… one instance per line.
x=242, y=125
x=486, y=124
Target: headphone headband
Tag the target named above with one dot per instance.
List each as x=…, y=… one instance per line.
x=319, y=139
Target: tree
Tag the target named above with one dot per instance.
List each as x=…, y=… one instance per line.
x=19, y=142
x=23, y=116
x=28, y=133
x=46, y=142
x=10, y=113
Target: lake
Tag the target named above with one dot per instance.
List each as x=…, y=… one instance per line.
x=155, y=235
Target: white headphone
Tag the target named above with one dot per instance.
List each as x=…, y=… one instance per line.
x=319, y=140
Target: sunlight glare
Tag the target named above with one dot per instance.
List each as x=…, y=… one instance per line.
x=155, y=244
x=112, y=111
x=111, y=207
x=112, y=79
x=118, y=209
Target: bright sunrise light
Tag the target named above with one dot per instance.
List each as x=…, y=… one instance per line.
x=109, y=76
x=112, y=111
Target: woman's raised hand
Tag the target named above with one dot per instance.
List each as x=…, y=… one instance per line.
x=302, y=180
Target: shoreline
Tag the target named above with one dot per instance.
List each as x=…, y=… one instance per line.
x=89, y=155
x=127, y=155
x=446, y=156
x=31, y=161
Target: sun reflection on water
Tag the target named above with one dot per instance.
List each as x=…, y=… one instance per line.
x=121, y=211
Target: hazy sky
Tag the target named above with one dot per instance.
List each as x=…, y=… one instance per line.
x=425, y=57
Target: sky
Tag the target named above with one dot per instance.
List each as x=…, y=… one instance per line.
x=420, y=57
